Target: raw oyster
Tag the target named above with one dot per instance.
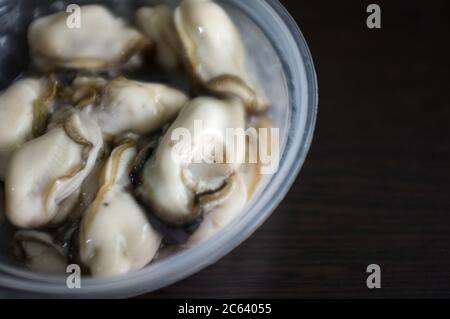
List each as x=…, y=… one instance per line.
x=239, y=190
x=102, y=41
x=158, y=25
x=138, y=107
x=39, y=252
x=221, y=213
x=215, y=53
x=173, y=180
x=24, y=109
x=115, y=236
x=47, y=172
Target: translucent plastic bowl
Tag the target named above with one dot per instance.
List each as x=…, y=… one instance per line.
x=281, y=58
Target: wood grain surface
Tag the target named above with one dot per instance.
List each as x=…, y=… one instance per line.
x=376, y=185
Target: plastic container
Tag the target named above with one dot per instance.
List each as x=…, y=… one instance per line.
x=281, y=58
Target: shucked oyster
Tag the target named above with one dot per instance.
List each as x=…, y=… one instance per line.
x=233, y=199
x=39, y=252
x=158, y=25
x=239, y=189
x=24, y=108
x=137, y=107
x=101, y=41
x=215, y=51
x=176, y=176
x=115, y=236
x=44, y=175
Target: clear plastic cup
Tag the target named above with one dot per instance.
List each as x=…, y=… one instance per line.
x=280, y=57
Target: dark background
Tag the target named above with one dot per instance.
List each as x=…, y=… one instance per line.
x=376, y=185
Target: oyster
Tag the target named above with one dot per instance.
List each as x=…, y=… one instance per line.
x=101, y=42
x=239, y=190
x=233, y=199
x=39, y=252
x=44, y=175
x=215, y=53
x=175, y=172
x=24, y=109
x=115, y=236
x=158, y=25
x=142, y=108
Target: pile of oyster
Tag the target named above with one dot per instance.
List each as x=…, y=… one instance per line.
x=86, y=151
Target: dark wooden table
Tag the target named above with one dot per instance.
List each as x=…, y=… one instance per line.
x=376, y=185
